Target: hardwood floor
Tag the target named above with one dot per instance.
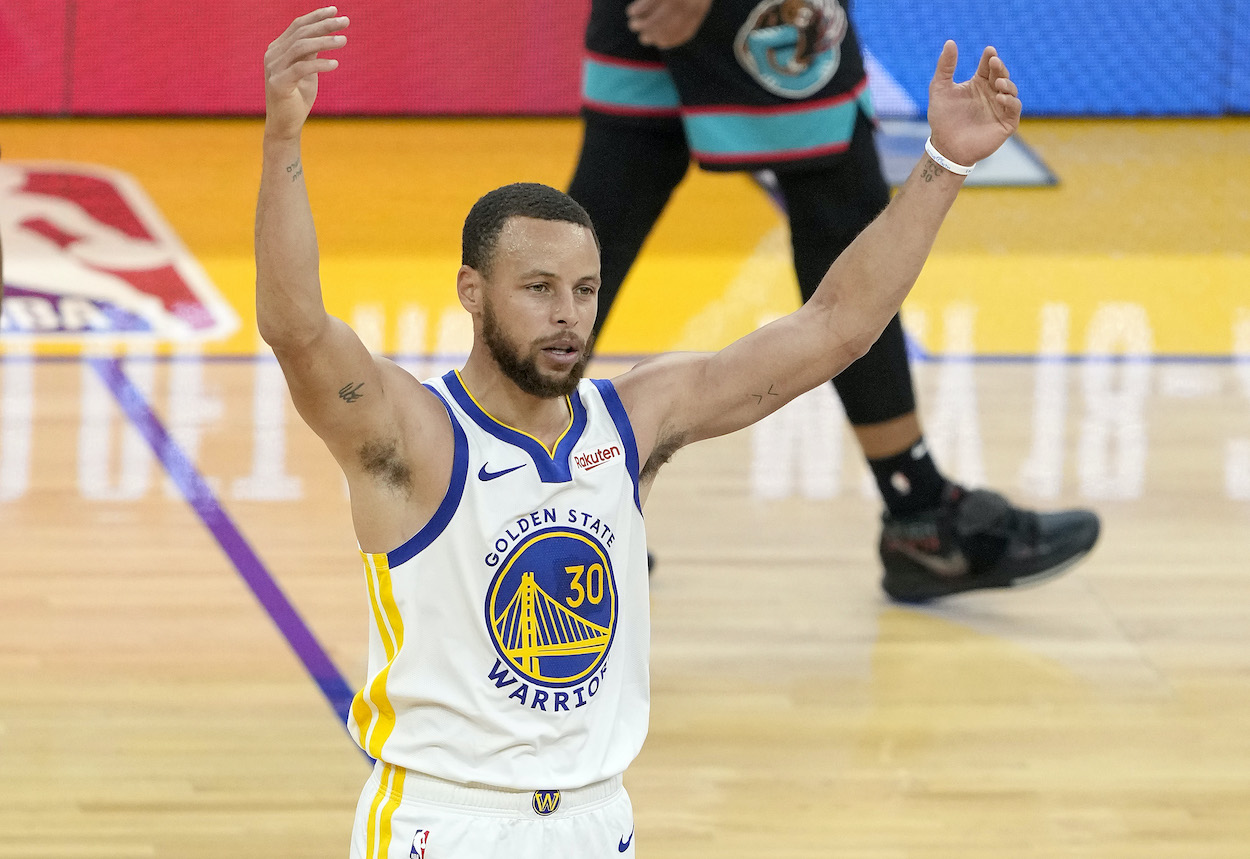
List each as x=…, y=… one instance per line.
x=154, y=704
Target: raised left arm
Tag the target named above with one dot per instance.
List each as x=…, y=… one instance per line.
x=678, y=399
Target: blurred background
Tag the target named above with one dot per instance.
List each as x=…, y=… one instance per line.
x=99, y=58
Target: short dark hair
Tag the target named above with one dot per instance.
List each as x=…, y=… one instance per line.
x=519, y=200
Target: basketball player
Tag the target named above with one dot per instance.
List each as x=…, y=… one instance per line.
x=780, y=84
x=498, y=508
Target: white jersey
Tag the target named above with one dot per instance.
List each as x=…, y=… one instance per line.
x=510, y=641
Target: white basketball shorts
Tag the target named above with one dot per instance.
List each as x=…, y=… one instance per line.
x=407, y=815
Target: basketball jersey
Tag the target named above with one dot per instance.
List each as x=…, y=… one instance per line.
x=510, y=637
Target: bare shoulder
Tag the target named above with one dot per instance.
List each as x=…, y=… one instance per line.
x=650, y=393
x=399, y=471
x=420, y=437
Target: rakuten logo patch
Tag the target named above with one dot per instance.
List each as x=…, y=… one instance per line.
x=595, y=458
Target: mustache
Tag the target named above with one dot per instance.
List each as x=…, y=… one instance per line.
x=565, y=340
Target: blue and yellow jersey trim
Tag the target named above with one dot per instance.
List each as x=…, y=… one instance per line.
x=612, y=401
x=552, y=463
x=451, y=501
x=372, y=713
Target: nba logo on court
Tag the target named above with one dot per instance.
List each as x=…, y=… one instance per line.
x=87, y=253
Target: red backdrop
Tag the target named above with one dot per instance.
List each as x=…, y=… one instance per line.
x=100, y=57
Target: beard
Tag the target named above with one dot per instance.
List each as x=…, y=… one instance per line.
x=523, y=369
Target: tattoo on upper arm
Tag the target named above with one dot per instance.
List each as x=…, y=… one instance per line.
x=295, y=169
x=759, y=398
x=351, y=394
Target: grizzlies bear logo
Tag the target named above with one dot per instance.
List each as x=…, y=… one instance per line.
x=792, y=48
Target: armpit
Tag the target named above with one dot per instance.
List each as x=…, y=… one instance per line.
x=662, y=453
x=381, y=459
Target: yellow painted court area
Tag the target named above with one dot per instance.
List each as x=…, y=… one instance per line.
x=1141, y=248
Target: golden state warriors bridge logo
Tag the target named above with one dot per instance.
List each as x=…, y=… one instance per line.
x=551, y=611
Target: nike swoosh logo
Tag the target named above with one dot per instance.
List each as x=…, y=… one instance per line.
x=491, y=475
x=948, y=566
x=625, y=842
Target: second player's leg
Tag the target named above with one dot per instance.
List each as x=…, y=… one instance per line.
x=937, y=538
x=625, y=175
x=827, y=209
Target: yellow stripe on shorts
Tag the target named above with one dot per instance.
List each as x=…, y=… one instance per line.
x=390, y=788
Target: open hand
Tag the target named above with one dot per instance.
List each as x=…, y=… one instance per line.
x=292, y=66
x=969, y=121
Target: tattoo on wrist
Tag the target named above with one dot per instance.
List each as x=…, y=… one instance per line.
x=351, y=394
x=930, y=170
x=296, y=169
x=759, y=398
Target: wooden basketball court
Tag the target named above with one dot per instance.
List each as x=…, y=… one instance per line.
x=182, y=608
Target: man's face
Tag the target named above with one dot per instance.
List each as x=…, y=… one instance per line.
x=539, y=304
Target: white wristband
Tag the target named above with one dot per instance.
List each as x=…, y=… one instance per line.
x=944, y=162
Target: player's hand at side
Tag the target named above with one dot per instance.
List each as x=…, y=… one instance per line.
x=292, y=65
x=666, y=24
x=969, y=121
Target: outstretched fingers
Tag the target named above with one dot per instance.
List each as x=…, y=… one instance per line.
x=320, y=26
x=306, y=48
x=292, y=74
x=947, y=60
x=987, y=58
x=292, y=63
x=320, y=35
x=293, y=55
x=1010, y=105
x=1006, y=93
x=312, y=19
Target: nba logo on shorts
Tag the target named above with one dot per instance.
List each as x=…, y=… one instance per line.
x=87, y=253
x=418, y=844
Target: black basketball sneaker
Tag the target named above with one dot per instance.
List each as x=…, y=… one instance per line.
x=977, y=539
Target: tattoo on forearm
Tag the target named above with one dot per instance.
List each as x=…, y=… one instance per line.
x=759, y=398
x=351, y=394
x=929, y=171
x=296, y=169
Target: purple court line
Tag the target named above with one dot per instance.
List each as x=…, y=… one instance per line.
x=198, y=494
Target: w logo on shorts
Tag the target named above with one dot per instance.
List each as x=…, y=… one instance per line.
x=87, y=253
x=546, y=802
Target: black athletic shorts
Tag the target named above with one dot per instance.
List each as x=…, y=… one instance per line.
x=764, y=83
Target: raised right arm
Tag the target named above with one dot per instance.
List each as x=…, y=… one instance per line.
x=338, y=387
x=390, y=435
